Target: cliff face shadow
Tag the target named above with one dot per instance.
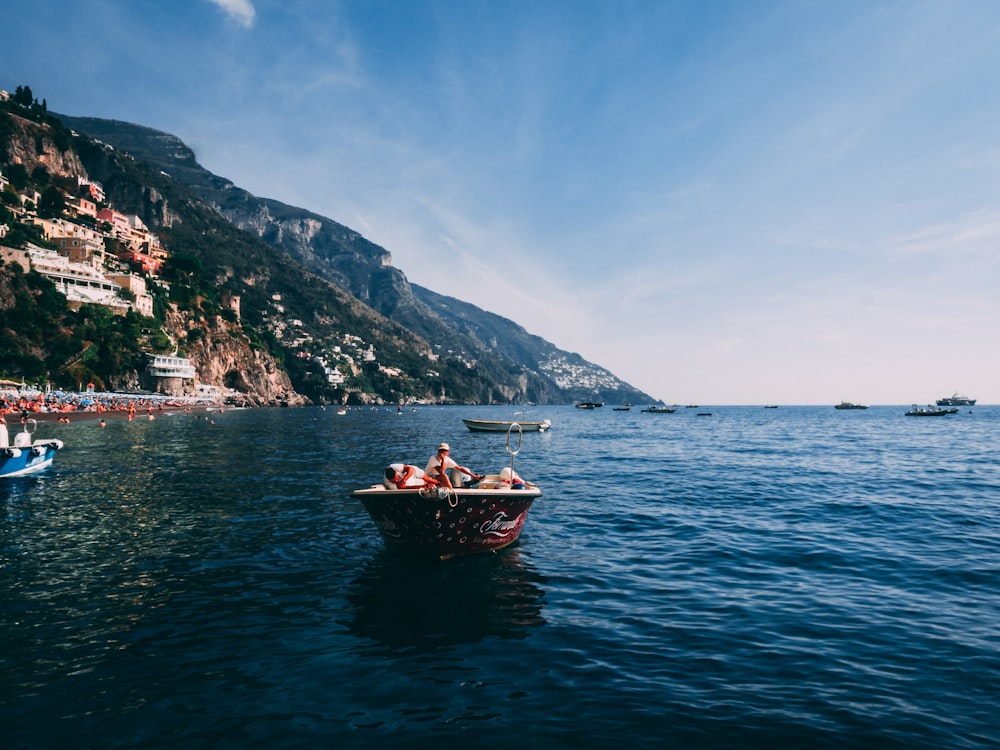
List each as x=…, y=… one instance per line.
x=408, y=603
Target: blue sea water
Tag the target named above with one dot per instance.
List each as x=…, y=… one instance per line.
x=797, y=577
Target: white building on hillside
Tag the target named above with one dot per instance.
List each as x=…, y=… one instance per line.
x=79, y=282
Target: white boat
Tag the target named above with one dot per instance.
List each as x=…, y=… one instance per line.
x=487, y=425
x=25, y=455
x=956, y=400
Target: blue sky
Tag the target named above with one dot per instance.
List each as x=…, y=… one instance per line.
x=721, y=202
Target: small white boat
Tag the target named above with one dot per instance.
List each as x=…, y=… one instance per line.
x=487, y=425
x=25, y=455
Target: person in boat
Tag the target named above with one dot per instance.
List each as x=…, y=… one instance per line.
x=510, y=478
x=404, y=476
x=441, y=463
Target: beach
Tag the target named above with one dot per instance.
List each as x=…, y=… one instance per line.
x=67, y=407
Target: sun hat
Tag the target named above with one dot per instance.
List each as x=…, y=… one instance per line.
x=444, y=447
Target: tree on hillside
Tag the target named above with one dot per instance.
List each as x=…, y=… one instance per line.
x=17, y=174
x=20, y=235
x=52, y=203
x=23, y=96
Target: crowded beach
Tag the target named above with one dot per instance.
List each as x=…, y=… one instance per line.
x=20, y=402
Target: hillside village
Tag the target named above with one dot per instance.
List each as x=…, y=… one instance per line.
x=97, y=255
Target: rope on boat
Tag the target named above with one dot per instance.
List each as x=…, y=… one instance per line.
x=440, y=493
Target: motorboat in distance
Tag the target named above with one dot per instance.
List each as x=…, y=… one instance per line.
x=930, y=411
x=956, y=400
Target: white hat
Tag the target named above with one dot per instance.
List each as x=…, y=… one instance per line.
x=444, y=447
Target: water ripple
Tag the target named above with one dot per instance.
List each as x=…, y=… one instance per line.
x=791, y=578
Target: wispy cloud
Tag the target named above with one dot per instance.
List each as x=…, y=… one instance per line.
x=973, y=234
x=241, y=11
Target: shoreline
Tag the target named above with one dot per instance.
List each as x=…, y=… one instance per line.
x=60, y=417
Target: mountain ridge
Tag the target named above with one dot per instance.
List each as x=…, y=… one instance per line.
x=364, y=270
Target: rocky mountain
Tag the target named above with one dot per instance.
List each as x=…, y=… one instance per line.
x=41, y=338
x=496, y=359
x=578, y=379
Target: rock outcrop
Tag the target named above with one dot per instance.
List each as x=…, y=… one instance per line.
x=33, y=145
x=224, y=357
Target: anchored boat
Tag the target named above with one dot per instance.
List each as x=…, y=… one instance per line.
x=486, y=425
x=930, y=411
x=26, y=455
x=956, y=400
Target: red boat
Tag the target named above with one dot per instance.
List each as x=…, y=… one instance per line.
x=446, y=523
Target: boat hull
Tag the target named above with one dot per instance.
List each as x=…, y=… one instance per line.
x=485, y=425
x=956, y=401
x=443, y=524
x=15, y=462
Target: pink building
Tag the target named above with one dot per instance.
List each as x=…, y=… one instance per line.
x=120, y=223
x=82, y=207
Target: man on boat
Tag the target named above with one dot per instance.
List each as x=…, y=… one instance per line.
x=441, y=463
x=404, y=476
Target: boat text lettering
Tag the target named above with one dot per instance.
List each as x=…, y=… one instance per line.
x=499, y=525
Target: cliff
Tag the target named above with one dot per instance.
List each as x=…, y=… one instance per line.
x=35, y=144
x=223, y=358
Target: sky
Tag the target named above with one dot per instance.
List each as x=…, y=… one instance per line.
x=720, y=202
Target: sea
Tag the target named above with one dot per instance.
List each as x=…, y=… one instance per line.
x=719, y=577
